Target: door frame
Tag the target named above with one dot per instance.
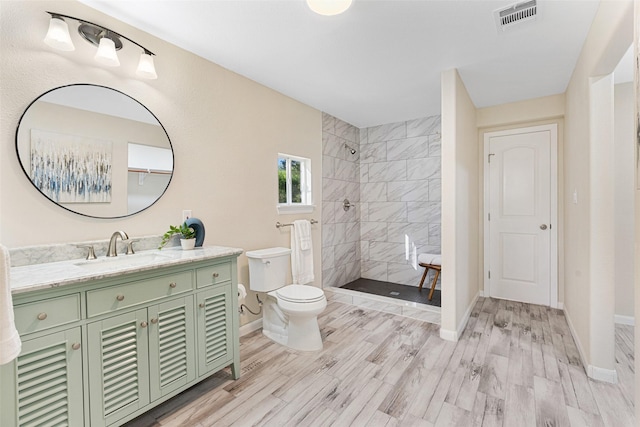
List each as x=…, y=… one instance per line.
x=553, y=240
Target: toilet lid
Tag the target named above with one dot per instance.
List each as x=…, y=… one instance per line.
x=300, y=293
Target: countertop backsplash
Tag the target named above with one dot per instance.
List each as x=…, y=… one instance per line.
x=41, y=254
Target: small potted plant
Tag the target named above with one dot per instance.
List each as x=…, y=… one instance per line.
x=188, y=239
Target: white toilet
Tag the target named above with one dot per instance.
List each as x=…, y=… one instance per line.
x=290, y=313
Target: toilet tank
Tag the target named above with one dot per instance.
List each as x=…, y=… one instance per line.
x=268, y=268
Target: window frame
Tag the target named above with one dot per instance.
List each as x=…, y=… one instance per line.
x=306, y=205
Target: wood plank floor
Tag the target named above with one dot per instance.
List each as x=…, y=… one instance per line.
x=515, y=365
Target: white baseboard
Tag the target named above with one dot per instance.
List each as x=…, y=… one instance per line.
x=449, y=335
x=250, y=327
x=624, y=320
x=594, y=372
x=481, y=293
x=600, y=374
x=560, y=306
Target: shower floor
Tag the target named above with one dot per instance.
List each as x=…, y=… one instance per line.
x=394, y=290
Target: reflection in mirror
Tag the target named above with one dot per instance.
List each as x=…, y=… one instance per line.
x=149, y=173
x=94, y=151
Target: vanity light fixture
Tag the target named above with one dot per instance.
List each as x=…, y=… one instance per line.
x=146, y=68
x=329, y=7
x=58, y=35
x=107, y=41
x=106, y=53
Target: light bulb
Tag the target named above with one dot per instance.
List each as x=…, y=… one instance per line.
x=58, y=35
x=329, y=7
x=106, y=53
x=146, y=68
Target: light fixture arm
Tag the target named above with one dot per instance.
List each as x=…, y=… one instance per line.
x=107, y=30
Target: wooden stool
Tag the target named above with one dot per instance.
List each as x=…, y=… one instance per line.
x=437, y=268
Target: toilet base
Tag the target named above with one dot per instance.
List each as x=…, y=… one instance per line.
x=304, y=334
x=291, y=328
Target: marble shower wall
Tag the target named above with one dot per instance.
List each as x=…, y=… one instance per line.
x=400, y=198
x=394, y=182
x=340, y=181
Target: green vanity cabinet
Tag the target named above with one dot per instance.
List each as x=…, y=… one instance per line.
x=215, y=343
x=137, y=357
x=44, y=385
x=118, y=367
x=102, y=352
x=172, y=346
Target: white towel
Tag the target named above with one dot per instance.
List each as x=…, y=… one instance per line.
x=302, y=228
x=433, y=259
x=10, y=344
x=301, y=259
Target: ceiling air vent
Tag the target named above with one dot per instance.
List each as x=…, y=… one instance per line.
x=510, y=16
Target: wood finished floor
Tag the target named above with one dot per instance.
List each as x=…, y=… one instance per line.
x=515, y=365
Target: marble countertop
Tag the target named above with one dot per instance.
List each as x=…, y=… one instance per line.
x=54, y=274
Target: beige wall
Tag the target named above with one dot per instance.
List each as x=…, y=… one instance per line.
x=460, y=202
x=624, y=160
x=586, y=222
x=521, y=113
x=226, y=132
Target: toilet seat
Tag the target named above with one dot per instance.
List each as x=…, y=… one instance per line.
x=300, y=294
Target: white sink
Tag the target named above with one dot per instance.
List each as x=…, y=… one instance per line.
x=121, y=261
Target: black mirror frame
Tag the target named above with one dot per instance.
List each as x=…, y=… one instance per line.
x=71, y=210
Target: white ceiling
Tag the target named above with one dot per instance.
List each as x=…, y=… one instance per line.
x=380, y=61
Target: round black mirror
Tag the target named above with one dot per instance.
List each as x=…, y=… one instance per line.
x=94, y=151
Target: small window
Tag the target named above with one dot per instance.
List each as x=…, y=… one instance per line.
x=294, y=184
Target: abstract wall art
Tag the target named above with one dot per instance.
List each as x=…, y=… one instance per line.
x=71, y=169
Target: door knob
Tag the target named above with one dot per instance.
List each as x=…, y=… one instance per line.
x=543, y=227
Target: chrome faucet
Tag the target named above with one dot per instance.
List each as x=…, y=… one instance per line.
x=111, y=251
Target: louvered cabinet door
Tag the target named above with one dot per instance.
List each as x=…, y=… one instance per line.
x=214, y=319
x=118, y=366
x=172, y=362
x=43, y=386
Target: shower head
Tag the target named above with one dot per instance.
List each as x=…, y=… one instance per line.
x=352, y=150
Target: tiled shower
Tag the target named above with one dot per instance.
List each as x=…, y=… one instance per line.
x=340, y=181
x=394, y=182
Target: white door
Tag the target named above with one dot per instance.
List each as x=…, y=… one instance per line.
x=520, y=218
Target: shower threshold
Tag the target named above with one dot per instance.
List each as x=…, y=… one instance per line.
x=394, y=290
x=386, y=303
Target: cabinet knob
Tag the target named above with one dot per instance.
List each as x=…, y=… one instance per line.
x=215, y=274
x=42, y=316
x=154, y=320
x=172, y=285
x=120, y=297
x=201, y=305
x=76, y=346
x=143, y=324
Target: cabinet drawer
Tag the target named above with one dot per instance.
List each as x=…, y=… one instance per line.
x=48, y=313
x=114, y=298
x=219, y=273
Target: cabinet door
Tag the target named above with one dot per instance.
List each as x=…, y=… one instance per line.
x=214, y=321
x=118, y=366
x=171, y=346
x=43, y=386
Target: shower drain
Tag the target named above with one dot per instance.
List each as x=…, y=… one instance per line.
x=394, y=293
